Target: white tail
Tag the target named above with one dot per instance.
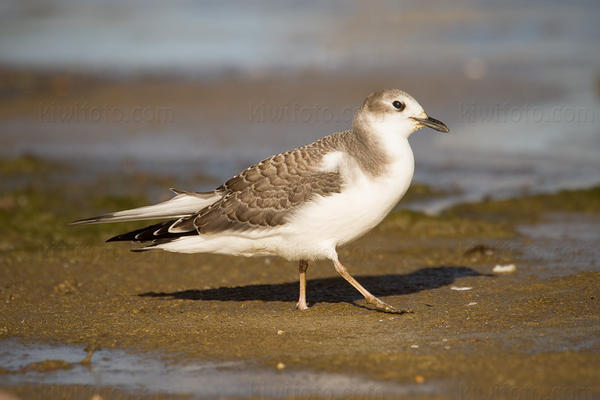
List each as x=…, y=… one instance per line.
x=183, y=204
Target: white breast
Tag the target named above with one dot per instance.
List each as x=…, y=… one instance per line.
x=337, y=219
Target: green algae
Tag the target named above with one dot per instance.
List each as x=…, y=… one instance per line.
x=39, y=217
x=421, y=191
x=530, y=208
x=420, y=225
x=28, y=164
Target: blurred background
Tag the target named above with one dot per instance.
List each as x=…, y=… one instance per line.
x=196, y=91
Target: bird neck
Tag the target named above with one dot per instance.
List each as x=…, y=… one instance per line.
x=383, y=141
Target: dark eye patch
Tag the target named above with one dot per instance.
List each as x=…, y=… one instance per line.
x=398, y=105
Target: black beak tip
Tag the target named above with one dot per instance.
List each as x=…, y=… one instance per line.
x=433, y=124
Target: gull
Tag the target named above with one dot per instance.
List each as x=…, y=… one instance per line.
x=302, y=204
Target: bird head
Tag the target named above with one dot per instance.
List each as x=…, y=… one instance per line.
x=394, y=112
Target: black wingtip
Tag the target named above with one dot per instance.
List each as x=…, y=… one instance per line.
x=123, y=237
x=114, y=239
x=140, y=250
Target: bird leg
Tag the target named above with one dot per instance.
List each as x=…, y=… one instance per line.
x=380, y=305
x=302, y=267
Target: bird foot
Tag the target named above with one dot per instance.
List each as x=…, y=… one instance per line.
x=301, y=306
x=385, y=307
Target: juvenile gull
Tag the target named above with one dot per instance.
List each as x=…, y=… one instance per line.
x=302, y=204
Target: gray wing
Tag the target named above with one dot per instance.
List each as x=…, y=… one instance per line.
x=265, y=194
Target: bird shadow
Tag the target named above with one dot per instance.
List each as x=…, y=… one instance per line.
x=331, y=290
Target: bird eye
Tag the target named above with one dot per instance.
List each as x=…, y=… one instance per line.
x=399, y=105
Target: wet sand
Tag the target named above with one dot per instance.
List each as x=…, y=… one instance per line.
x=530, y=334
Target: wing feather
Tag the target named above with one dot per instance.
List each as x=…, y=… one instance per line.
x=267, y=193
x=263, y=196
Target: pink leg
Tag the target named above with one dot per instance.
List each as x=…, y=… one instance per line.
x=380, y=305
x=302, y=267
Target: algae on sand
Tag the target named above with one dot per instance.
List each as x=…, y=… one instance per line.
x=531, y=208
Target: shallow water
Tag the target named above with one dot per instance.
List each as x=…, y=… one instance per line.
x=147, y=372
x=265, y=36
x=564, y=243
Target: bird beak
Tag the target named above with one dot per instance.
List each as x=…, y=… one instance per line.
x=432, y=123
